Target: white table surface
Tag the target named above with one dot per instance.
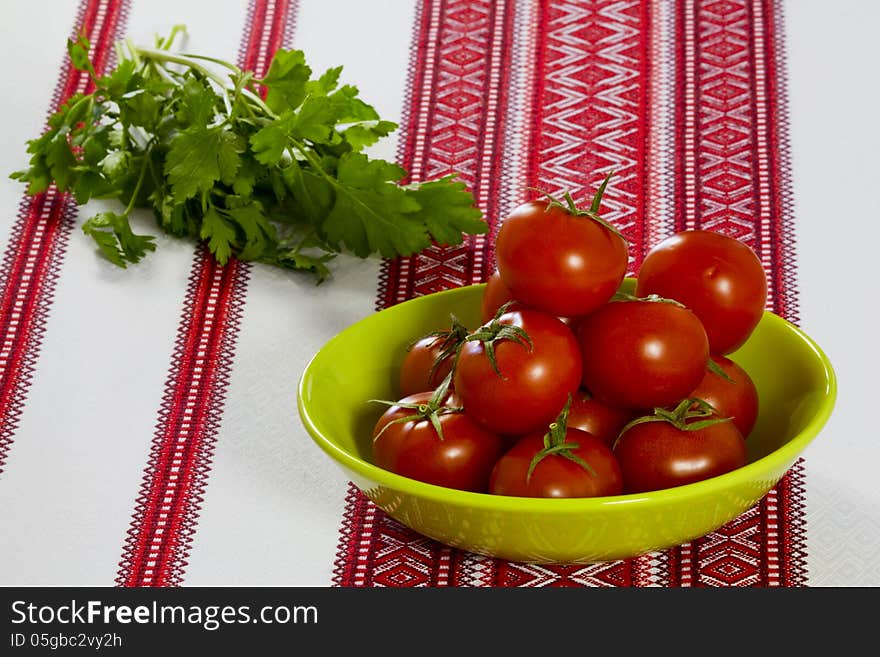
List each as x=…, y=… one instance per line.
x=272, y=511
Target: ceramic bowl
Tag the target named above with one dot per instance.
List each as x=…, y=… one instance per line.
x=796, y=386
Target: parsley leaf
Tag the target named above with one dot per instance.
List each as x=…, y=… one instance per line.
x=286, y=80
x=371, y=213
x=219, y=233
x=114, y=237
x=199, y=157
x=446, y=210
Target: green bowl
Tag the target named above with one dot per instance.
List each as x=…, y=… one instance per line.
x=796, y=385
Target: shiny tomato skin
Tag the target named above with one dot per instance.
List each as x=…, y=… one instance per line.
x=718, y=277
x=415, y=370
x=555, y=475
x=495, y=295
x=553, y=260
x=737, y=400
x=463, y=459
x=658, y=455
x=642, y=354
x=534, y=383
x=596, y=417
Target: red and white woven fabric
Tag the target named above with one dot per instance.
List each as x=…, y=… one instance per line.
x=680, y=100
x=148, y=429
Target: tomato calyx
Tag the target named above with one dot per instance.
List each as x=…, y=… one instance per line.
x=430, y=410
x=567, y=204
x=715, y=368
x=686, y=416
x=450, y=339
x=494, y=331
x=555, y=444
x=651, y=298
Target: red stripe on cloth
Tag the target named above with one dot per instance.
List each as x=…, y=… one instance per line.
x=167, y=508
x=591, y=116
x=38, y=242
x=592, y=99
x=733, y=170
x=588, y=100
x=175, y=478
x=454, y=125
x=591, y=108
x=784, y=270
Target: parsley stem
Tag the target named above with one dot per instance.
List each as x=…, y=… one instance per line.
x=133, y=51
x=255, y=98
x=190, y=61
x=222, y=62
x=162, y=72
x=238, y=74
x=137, y=187
x=120, y=53
x=74, y=109
x=165, y=44
x=165, y=56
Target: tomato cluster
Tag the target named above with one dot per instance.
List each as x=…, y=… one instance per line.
x=571, y=388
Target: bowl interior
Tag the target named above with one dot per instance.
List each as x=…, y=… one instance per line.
x=362, y=363
x=795, y=381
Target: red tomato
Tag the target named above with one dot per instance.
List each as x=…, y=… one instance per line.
x=642, y=354
x=423, y=366
x=406, y=443
x=737, y=399
x=556, y=475
x=661, y=454
x=531, y=383
x=429, y=360
x=495, y=295
x=596, y=417
x=718, y=277
x=556, y=260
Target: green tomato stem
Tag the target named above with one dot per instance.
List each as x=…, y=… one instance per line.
x=555, y=444
x=687, y=410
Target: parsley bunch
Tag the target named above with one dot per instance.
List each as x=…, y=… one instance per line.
x=278, y=177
